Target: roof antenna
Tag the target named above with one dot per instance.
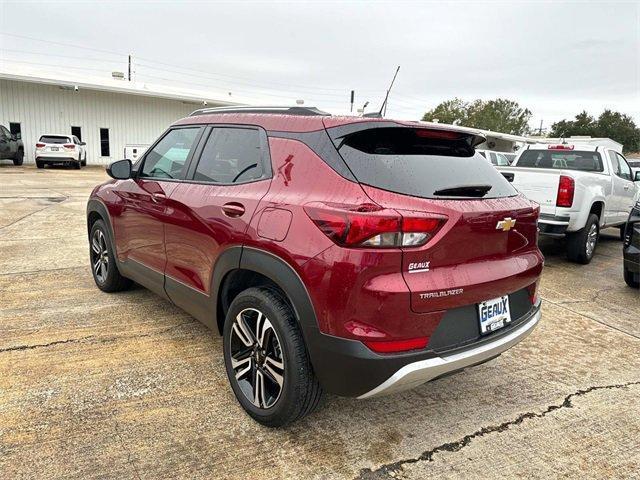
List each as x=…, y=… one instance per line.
x=383, y=108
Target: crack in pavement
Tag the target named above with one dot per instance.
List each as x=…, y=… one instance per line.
x=391, y=470
x=127, y=451
x=582, y=314
x=93, y=338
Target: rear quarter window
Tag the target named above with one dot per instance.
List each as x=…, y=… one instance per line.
x=422, y=164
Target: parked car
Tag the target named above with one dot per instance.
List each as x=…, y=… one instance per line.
x=496, y=158
x=631, y=248
x=11, y=147
x=580, y=188
x=64, y=149
x=341, y=254
x=635, y=165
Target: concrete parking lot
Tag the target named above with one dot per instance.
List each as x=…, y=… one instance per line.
x=96, y=385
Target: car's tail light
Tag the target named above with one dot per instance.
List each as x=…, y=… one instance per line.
x=566, y=189
x=369, y=225
x=392, y=346
x=560, y=147
x=70, y=146
x=40, y=145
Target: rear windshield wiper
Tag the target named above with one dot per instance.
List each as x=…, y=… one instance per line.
x=464, y=191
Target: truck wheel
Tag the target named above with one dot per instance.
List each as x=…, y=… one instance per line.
x=103, y=262
x=39, y=164
x=629, y=278
x=266, y=359
x=581, y=245
x=19, y=158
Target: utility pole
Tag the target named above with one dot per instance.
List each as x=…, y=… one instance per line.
x=129, y=76
x=540, y=131
x=353, y=96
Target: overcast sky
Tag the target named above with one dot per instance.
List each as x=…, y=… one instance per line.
x=556, y=58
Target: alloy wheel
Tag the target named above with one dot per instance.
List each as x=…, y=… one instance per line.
x=256, y=358
x=592, y=239
x=99, y=256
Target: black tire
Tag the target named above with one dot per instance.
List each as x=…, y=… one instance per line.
x=579, y=249
x=629, y=278
x=84, y=161
x=19, y=158
x=109, y=279
x=39, y=164
x=622, y=229
x=300, y=391
x=77, y=164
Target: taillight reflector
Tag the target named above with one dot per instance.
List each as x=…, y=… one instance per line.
x=392, y=346
x=69, y=145
x=566, y=189
x=39, y=145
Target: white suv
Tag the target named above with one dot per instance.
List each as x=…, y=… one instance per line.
x=65, y=149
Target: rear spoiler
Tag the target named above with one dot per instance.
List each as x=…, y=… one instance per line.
x=338, y=133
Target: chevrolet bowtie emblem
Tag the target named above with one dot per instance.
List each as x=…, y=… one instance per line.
x=506, y=224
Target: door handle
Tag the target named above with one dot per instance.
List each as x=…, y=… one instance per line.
x=626, y=187
x=233, y=209
x=158, y=197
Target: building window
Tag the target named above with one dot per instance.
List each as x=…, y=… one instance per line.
x=77, y=131
x=15, y=129
x=104, y=142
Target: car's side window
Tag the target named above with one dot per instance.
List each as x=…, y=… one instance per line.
x=168, y=157
x=4, y=132
x=624, y=171
x=231, y=155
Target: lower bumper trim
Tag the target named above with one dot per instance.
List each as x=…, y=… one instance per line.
x=416, y=373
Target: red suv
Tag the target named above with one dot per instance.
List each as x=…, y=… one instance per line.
x=357, y=256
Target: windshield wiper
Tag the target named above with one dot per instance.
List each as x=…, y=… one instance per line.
x=464, y=191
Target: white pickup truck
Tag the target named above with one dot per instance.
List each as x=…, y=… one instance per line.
x=580, y=189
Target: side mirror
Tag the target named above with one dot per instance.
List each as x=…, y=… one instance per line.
x=120, y=169
x=637, y=176
x=83, y=143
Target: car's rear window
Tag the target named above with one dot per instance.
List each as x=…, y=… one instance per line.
x=561, y=160
x=422, y=163
x=54, y=139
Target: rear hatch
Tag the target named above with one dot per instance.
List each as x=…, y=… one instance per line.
x=54, y=145
x=486, y=245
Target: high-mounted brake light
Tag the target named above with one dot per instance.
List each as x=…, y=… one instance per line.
x=566, y=189
x=40, y=145
x=369, y=225
x=392, y=346
x=560, y=147
x=442, y=134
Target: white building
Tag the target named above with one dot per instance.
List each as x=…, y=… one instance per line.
x=106, y=113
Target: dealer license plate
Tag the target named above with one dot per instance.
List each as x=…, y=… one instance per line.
x=494, y=314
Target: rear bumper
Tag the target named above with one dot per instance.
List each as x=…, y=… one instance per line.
x=420, y=372
x=554, y=225
x=55, y=159
x=348, y=368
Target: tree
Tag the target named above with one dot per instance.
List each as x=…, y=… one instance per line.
x=454, y=111
x=614, y=125
x=500, y=115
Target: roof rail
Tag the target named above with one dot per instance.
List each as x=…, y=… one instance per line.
x=303, y=111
